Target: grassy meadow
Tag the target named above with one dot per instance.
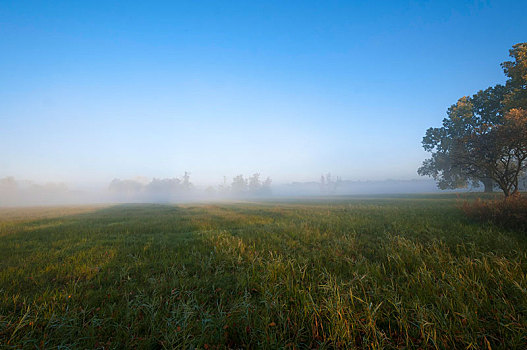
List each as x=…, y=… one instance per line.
x=400, y=272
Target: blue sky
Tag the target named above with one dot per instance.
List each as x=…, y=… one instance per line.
x=96, y=90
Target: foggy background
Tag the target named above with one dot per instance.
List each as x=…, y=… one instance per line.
x=104, y=101
x=181, y=190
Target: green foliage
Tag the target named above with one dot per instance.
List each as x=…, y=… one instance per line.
x=453, y=163
x=469, y=147
x=517, y=72
x=336, y=273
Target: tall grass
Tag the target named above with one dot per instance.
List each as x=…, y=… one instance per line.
x=338, y=273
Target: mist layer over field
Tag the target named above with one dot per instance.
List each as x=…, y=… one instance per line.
x=176, y=190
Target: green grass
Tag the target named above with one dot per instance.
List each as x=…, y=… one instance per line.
x=406, y=272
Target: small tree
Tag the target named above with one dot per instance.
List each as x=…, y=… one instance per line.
x=266, y=186
x=185, y=183
x=254, y=183
x=239, y=185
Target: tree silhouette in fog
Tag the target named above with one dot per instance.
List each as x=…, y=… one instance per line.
x=251, y=186
x=157, y=189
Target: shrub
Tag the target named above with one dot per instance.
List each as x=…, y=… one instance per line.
x=509, y=212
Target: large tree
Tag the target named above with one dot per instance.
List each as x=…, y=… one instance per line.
x=497, y=150
x=482, y=140
x=448, y=164
x=516, y=71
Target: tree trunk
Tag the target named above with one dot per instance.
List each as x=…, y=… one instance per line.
x=489, y=185
x=504, y=188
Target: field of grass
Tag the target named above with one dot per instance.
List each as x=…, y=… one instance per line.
x=321, y=273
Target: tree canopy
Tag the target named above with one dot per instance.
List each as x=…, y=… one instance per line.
x=484, y=137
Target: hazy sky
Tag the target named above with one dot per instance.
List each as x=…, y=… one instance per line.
x=94, y=90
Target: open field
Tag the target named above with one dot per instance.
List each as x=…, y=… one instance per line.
x=320, y=273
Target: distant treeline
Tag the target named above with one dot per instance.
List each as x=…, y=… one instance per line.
x=15, y=192
x=182, y=188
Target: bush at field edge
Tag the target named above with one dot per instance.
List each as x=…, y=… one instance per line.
x=510, y=212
